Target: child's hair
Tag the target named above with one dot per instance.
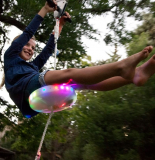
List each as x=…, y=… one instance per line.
x=3, y=78
x=3, y=81
x=33, y=37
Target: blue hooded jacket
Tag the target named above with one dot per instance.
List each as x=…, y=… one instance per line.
x=18, y=72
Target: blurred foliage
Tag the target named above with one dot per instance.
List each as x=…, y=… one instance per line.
x=120, y=123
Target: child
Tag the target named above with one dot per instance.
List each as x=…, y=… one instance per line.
x=22, y=78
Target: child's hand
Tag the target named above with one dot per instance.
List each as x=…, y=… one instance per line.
x=63, y=18
x=50, y=9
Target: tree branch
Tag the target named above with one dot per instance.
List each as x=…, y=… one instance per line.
x=12, y=21
x=1, y=5
x=3, y=44
x=7, y=5
x=99, y=10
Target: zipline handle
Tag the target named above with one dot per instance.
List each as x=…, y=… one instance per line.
x=60, y=11
x=52, y=4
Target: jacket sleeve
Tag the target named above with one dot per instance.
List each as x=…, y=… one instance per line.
x=48, y=50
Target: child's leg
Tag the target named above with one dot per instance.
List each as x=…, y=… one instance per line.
x=96, y=74
x=142, y=74
x=108, y=84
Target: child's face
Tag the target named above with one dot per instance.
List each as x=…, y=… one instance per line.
x=28, y=50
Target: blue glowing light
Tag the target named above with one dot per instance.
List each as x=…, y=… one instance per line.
x=27, y=116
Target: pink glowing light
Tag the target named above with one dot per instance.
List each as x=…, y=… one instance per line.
x=63, y=104
x=62, y=87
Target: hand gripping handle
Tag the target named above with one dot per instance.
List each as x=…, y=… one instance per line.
x=52, y=4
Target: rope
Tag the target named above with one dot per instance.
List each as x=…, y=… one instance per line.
x=43, y=136
x=56, y=35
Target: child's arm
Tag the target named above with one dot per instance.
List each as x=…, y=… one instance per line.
x=29, y=31
x=48, y=50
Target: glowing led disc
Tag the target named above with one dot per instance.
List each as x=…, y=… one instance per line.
x=52, y=98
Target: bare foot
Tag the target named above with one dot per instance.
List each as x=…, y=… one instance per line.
x=130, y=63
x=144, y=72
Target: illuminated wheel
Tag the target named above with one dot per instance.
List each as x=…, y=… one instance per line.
x=52, y=98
